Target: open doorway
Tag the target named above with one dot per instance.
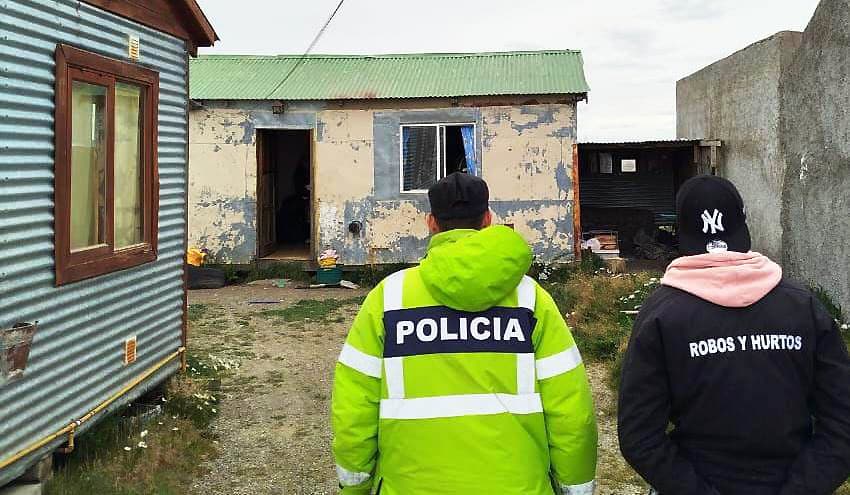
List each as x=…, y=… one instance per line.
x=284, y=194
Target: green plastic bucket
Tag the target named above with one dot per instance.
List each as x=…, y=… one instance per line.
x=329, y=276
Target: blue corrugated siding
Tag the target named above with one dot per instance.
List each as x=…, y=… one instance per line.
x=76, y=361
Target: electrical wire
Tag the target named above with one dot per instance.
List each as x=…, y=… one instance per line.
x=307, y=52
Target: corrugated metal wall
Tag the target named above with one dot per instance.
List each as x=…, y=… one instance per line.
x=651, y=188
x=76, y=361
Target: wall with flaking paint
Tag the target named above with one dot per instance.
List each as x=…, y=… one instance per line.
x=526, y=157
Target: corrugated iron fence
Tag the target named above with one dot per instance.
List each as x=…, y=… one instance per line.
x=76, y=359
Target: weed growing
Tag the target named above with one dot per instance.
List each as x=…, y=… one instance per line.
x=370, y=276
x=159, y=452
x=317, y=311
x=835, y=311
x=598, y=306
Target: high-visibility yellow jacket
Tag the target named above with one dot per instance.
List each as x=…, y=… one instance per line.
x=460, y=376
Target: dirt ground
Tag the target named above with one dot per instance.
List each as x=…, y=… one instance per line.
x=273, y=426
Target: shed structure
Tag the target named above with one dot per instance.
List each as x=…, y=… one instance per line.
x=628, y=189
x=93, y=192
x=294, y=155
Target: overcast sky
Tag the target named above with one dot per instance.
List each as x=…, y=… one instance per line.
x=634, y=50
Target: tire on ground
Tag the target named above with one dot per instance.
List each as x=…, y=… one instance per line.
x=205, y=278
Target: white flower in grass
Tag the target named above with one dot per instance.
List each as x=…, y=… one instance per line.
x=214, y=411
x=175, y=429
x=845, y=327
x=632, y=296
x=128, y=449
x=160, y=423
x=143, y=445
x=143, y=434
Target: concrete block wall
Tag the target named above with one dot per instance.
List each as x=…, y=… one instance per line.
x=816, y=144
x=525, y=150
x=781, y=108
x=737, y=100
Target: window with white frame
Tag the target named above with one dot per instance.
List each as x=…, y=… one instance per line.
x=430, y=152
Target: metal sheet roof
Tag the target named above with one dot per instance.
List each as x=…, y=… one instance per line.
x=670, y=143
x=344, y=77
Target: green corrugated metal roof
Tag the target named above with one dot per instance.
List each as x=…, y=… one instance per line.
x=340, y=77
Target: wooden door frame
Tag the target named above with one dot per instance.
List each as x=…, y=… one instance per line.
x=314, y=215
x=314, y=210
x=261, y=143
x=576, y=176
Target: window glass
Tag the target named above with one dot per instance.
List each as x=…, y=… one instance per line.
x=128, y=165
x=628, y=166
x=606, y=163
x=419, y=153
x=431, y=152
x=88, y=165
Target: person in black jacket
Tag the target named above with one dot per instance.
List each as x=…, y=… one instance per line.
x=736, y=380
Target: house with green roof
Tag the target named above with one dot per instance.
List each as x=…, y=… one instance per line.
x=292, y=155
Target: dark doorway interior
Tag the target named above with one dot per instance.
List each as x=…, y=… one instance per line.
x=284, y=194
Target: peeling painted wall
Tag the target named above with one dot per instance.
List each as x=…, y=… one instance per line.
x=526, y=157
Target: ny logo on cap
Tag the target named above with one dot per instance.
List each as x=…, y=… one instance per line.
x=713, y=221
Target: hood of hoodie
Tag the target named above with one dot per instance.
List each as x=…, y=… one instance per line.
x=730, y=279
x=472, y=270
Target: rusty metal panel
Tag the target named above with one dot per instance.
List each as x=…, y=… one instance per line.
x=421, y=75
x=75, y=360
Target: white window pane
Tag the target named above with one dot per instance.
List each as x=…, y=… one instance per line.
x=128, y=165
x=88, y=165
x=419, y=155
x=628, y=166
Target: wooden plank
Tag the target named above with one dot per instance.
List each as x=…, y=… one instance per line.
x=576, y=205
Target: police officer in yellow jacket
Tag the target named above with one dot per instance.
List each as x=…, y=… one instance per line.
x=460, y=376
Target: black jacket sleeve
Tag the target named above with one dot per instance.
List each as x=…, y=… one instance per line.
x=824, y=463
x=644, y=412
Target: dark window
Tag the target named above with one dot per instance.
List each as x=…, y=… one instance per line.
x=430, y=152
x=106, y=190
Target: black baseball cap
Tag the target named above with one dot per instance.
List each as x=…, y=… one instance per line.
x=711, y=217
x=459, y=195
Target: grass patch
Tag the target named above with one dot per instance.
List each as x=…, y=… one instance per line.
x=196, y=312
x=593, y=302
x=593, y=305
x=371, y=275
x=155, y=453
x=321, y=311
x=275, y=377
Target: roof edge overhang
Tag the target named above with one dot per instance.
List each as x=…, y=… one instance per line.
x=194, y=27
x=582, y=96
x=662, y=144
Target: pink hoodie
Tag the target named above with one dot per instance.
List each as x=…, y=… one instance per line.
x=730, y=279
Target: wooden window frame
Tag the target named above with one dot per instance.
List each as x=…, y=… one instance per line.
x=73, y=64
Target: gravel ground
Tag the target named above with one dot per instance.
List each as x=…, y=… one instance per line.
x=274, y=429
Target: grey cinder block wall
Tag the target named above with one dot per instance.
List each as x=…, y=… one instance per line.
x=782, y=109
x=816, y=144
x=737, y=100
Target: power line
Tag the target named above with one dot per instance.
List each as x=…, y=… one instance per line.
x=307, y=52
